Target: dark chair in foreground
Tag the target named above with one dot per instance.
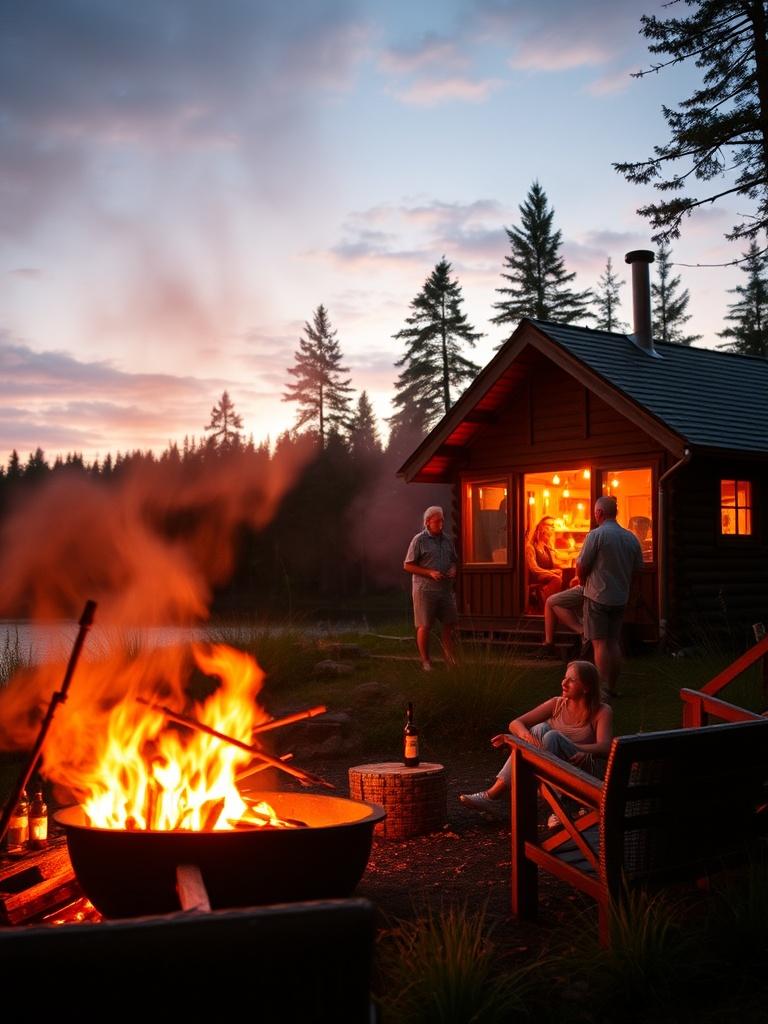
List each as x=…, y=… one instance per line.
x=674, y=806
x=292, y=961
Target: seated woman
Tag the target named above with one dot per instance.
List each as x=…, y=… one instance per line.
x=541, y=561
x=576, y=727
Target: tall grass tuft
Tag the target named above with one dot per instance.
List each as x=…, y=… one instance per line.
x=738, y=921
x=649, y=957
x=441, y=968
x=484, y=692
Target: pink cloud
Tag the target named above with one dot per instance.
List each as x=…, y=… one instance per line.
x=431, y=92
x=614, y=82
x=543, y=56
x=431, y=50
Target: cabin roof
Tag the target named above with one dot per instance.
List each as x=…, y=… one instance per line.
x=689, y=397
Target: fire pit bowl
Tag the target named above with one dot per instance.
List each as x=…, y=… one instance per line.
x=131, y=874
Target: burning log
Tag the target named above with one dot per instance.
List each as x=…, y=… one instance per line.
x=305, y=778
x=212, y=814
x=286, y=822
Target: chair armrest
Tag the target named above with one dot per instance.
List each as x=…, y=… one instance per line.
x=697, y=704
x=561, y=775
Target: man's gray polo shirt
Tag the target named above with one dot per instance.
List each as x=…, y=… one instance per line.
x=608, y=559
x=431, y=552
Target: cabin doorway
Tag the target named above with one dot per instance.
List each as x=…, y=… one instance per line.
x=557, y=508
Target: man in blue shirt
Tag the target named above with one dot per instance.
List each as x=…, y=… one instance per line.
x=609, y=559
x=431, y=559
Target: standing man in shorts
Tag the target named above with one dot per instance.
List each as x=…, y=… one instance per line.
x=609, y=559
x=431, y=559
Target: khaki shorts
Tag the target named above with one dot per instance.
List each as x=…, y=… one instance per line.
x=572, y=599
x=602, y=621
x=430, y=606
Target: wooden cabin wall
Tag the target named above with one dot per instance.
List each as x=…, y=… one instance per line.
x=716, y=583
x=551, y=421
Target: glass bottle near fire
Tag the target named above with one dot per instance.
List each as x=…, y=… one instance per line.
x=410, y=740
x=17, y=836
x=38, y=821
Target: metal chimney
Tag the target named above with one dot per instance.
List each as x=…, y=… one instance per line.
x=641, y=299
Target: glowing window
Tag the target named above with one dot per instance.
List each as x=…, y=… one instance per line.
x=632, y=490
x=736, y=507
x=486, y=522
x=556, y=510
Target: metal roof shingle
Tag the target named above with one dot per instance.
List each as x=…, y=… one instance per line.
x=710, y=398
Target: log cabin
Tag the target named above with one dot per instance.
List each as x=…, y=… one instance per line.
x=564, y=414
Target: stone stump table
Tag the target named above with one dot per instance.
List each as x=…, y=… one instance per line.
x=415, y=799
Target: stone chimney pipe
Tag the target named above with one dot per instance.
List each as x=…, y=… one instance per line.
x=640, y=260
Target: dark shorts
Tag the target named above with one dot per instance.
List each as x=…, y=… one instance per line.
x=602, y=621
x=430, y=606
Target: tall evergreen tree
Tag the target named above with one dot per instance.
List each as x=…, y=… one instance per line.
x=538, y=282
x=364, y=437
x=669, y=304
x=749, y=315
x=607, y=301
x=225, y=425
x=15, y=471
x=321, y=390
x=723, y=125
x=433, y=367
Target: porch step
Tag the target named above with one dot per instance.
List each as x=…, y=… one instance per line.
x=523, y=639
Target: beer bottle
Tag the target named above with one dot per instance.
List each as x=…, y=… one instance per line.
x=17, y=835
x=410, y=740
x=38, y=821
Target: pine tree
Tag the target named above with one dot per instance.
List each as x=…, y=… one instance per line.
x=225, y=425
x=723, y=125
x=364, y=437
x=607, y=301
x=37, y=468
x=433, y=366
x=669, y=307
x=321, y=390
x=14, y=466
x=538, y=282
x=749, y=315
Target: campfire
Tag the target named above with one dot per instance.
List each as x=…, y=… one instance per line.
x=154, y=778
x=165, y=805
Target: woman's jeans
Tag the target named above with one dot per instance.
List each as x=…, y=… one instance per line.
x=551, y=740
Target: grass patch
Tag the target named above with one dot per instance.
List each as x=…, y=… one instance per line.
x=442, y=968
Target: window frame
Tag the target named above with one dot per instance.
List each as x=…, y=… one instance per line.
x=736, y=538
x=491, y=480
x=617, y=465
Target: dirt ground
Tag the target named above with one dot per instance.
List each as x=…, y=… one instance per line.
x=467, y=861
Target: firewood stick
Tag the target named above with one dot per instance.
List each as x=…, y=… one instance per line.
x=191, y=888
x=299, y=716
x=294, y=822
x=254, y=769
x=305, y=778
x=212, y=814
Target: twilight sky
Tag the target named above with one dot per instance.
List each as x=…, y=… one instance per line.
x=182, y=182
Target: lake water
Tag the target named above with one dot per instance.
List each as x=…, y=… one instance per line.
x=35, y=642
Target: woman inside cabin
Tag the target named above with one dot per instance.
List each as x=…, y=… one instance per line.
x=576, y=726
x=544, y=575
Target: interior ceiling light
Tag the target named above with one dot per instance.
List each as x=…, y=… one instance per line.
x=555, y=479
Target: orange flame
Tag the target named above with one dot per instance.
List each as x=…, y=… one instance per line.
x=151, y=776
